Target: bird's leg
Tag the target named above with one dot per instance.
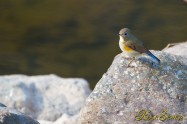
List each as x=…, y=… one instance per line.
x=131, y=61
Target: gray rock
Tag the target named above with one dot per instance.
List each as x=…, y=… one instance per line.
x=2, y=105
x=12, y=116
x=123, y=92
x=45, y=122
x=44, y=97
x=177, y=49
x=67, y=119
x=64, y=119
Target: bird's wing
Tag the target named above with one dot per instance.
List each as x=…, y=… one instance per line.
x=136, y=46
x=139, y=47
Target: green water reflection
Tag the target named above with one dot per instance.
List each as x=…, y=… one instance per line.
x=79, y=38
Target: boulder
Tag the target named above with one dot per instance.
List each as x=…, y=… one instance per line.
x=45, y=97
x=143, y=92
x=12, y=116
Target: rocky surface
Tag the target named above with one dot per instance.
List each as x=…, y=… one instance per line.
x=177, y=49
x=64, y=119
x=12, y=116
x=46, y=97
x=143, y=93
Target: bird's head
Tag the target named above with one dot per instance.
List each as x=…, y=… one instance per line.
x=124, y=34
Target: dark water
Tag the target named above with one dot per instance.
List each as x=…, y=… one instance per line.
x=79, y=38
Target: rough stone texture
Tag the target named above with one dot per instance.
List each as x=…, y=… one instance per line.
x=12, y=116
x=124, y=91
x=177, y=49
x=64, y=119
x=44, y=97
x=45, y=122
x=2, y=105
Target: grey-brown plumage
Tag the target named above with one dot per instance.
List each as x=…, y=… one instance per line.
x=132, y=45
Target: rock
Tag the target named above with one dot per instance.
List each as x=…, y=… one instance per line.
x=177, y=49
x=45, y=122
x=2, y=105
x=135, y=94
x=64, y=119
x=12, y=116
x=67, y=119
x=44, y=97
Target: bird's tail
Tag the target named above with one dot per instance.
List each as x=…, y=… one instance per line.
x=152, y=56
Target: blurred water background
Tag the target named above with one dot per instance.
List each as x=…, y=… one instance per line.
x=78, y=38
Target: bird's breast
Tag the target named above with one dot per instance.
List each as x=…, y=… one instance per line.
x=128, y=50
x=123, y=47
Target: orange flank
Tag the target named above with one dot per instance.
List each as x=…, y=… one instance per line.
x=128, y=49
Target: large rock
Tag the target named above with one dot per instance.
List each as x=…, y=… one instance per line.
x=12, y=116
x=44, y=97
x=136, y=94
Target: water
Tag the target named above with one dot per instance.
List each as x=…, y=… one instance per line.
x=79, y=38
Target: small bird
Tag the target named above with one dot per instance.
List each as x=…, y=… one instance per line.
x=133, y=46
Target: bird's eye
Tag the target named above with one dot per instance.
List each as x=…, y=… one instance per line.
x=125, y=33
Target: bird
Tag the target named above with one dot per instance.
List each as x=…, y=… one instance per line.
x=132, y=46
